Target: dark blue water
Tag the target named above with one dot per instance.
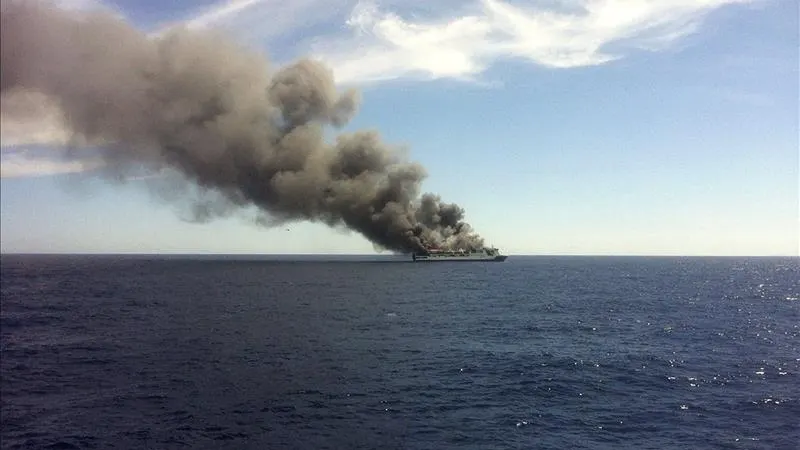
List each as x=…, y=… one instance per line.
x=536, y=352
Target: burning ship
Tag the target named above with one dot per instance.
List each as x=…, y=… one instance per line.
x=432, y=254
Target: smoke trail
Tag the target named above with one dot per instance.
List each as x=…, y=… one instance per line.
x=194, y=102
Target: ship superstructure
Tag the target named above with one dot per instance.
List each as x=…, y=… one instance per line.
x=435, y=254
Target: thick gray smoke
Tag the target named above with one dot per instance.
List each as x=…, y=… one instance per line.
x=196, y=103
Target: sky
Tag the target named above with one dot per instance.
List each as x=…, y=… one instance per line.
x=636, y=127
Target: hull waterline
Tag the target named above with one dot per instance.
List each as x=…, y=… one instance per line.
x=484, y=255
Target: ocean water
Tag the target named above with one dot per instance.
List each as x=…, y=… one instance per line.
x=533, y=353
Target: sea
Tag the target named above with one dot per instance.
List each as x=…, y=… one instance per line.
x=537, y=352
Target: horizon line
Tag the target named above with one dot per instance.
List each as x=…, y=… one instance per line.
x=385, y=255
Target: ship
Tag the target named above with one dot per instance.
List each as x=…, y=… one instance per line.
x=435, y=255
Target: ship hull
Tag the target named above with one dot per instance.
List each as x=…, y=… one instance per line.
x=425, y=258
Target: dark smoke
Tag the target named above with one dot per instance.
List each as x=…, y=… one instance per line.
x=196, y=103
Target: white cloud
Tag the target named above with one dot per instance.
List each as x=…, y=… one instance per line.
x=262, y=22
x=20, y=164
x=221, y=12
x=367, y=43
x=383, y=45
x=29, y=118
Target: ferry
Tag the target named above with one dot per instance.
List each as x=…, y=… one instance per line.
x=434, y=255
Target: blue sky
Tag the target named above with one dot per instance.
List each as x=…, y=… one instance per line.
x=562, y=127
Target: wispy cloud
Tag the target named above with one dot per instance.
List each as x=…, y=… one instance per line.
x=20, y=164
x=383, y=45
x=273, y=25
x=370, y=42
x=221, y=12
x=29, y=118
x=43, y=160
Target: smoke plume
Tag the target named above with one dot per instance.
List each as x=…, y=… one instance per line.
x=196, y=103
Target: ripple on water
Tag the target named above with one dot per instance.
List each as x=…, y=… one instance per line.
x=560, y=352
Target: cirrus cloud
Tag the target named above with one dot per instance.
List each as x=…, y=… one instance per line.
x=383, y=45
x=368, y=42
